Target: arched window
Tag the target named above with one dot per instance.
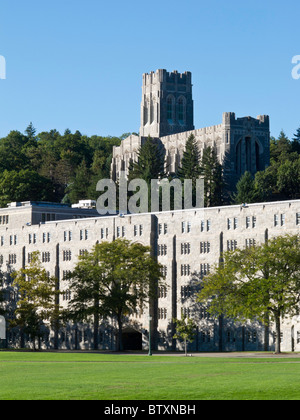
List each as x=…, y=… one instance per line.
x=181, y=110
x=170, y=109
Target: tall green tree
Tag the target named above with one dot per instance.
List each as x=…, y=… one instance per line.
x=37, y=300
x=212, y=171
x=24, y=185
x=190, y=163
x=259, y=283
x=77, y=190
x=246, y=189
x=185, y=330
x=113, y=281
x=149, y=164
x=296, y=142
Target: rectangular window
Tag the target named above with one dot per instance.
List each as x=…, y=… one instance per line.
x=229, y=224
x=202, y=225
x=185, y=248
x=204, y=247
x=204, y=269
x=297, y=219
x=183, y=227
x=86, y=234
x=282, y=219
x=231, y=245
x=276, y=220
x=235, y=223
x=247, y=222
x=185, y=269
x=254, y=221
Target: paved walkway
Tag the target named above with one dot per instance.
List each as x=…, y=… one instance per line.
x=178, y=354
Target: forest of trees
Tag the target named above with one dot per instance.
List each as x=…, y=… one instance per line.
x=50, y=166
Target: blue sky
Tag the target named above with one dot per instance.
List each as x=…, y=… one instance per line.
x=78, y=64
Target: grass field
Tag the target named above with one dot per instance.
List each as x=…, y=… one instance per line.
x=61, y=376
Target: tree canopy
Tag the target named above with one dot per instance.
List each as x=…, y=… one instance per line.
x=261, y=283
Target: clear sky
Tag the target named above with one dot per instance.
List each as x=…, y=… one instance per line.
x=78, y=64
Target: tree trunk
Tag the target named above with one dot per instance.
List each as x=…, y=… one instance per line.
x=278, y=333
x=185, y=347
x=96, y=331
x=120, y=327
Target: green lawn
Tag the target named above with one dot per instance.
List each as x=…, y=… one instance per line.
x=61, y=376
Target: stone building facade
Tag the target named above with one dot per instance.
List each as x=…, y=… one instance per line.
x=188, y=243
x=167, y=115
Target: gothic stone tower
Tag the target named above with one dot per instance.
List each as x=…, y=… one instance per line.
x=167, y=105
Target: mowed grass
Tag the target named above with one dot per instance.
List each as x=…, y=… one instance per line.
x=61, y=376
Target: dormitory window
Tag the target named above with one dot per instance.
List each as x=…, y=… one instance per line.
x=203, y=313
x=297, y=219
x=103, y=233
x=3, y=220
x=13, y=240
x=45, y=256
x=247, y=222
x=186, y=292
x=282, y=219
x=66, y=273
x=162, y=313
x=32, y=238
x=2, y=240
x=12, y=259
x=231, y=245
x=120, y=231
x=204, y=269
x=162, y=292
x=162, y=229
x=138, y=230
x=67, y=255
x=29, y=257
x=83, y=252
x=185, y=248
x=186, y=227
x=1, y=259
x=203, y=225
x=229, y=224
x=250, y=243
x=66, y=295
x=185, y=269
x=164, y=270
x=185, y=313
x=162, y=250
x=204, y=247
x=235, y=223
x=67, y=235
x=254, y=221
x=46, y=237
x=276, y=220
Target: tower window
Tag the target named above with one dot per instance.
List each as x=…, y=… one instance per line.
x=181, y=111
x=170, y=109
